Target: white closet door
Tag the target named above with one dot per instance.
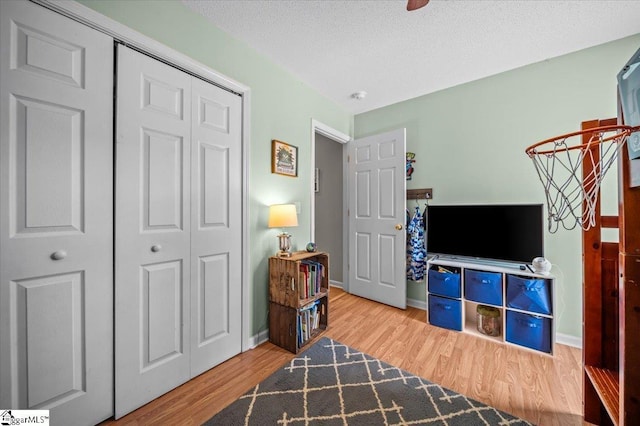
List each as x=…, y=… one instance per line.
x=152, y=229
x=216, y=226
x=56, y=233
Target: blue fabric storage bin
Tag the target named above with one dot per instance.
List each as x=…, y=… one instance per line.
x=483, y=287
x=529, y=330
x=529, y=294
x=445, y=313
x=444, y=283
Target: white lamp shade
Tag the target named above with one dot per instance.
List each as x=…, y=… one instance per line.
x=282, y=216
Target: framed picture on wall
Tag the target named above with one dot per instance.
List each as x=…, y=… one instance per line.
x=284, y=158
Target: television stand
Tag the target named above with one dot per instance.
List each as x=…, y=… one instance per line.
x=480, y=261
x=516, y=301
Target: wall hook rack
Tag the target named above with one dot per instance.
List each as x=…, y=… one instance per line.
x=420, y=194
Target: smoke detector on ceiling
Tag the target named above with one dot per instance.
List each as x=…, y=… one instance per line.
x=359, y=95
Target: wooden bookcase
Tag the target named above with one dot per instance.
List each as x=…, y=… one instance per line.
x=291, y=304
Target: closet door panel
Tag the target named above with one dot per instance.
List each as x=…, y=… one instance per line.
x=152, y=229
x=216, y=234
x=214, y=185
x=213, y=298
x=56, y=200
x=47, y=133
x=162, y=170
x=161, y=290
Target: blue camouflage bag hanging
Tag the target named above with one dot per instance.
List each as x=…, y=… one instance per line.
x=416, y=249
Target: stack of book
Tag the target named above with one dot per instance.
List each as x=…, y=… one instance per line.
x=313, y=273
x=308, y=321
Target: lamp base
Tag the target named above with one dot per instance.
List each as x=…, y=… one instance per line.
x=284, y=244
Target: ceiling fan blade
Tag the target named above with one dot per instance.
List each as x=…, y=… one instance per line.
x=416, y=4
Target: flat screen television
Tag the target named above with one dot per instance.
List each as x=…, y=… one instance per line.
x=512, y=233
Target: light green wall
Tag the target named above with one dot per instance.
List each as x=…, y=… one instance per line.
x=469, y=142
x=469, y=139
x=282, y=108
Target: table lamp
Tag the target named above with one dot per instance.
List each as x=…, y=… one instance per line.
x=283, y=216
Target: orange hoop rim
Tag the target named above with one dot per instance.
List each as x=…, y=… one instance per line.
x=624, y=131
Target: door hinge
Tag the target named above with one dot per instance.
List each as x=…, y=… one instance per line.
x=348, y=158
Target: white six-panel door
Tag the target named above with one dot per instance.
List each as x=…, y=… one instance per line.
x=377, y=205
x=216, y=226
x=153, y=228
x=56, y=233
x=178, y=228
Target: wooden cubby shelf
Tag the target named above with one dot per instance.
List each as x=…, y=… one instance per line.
x=298, y=299
x=520, y=301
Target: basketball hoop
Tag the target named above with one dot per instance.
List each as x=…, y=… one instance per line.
x=572, y=199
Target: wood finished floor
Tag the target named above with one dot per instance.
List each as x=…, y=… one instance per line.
x=541, y=389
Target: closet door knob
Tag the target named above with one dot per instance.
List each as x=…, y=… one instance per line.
x=399, y=227
x=156, y=248
x=58, y=255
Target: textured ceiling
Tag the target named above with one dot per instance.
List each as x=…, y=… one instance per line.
x=340, y=47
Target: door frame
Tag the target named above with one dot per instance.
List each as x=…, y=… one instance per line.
x=337, y=136
x=132, y=38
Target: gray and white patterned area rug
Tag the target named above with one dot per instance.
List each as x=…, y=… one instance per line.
x=333, y=384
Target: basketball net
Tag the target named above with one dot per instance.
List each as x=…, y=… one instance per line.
x=571, y=197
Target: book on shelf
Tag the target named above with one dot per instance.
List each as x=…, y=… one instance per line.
x=308, y=321
x=313, y=273
x=305, y=280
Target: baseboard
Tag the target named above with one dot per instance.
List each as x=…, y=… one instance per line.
x=258, y=339
x=568, y=340
x=416, y=303
x=338, y=284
